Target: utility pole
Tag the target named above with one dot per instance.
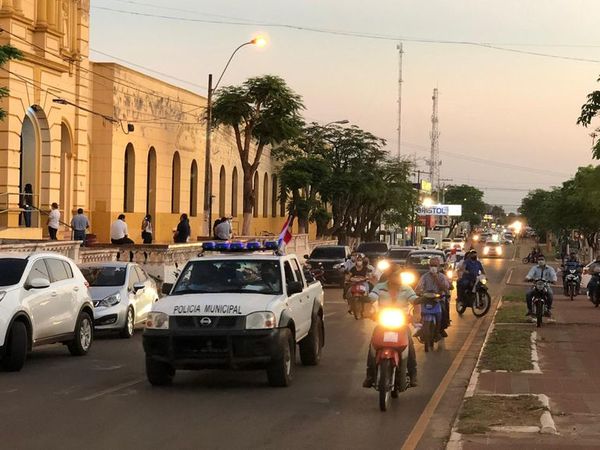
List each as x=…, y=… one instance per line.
x=435, y=149
x=400, y=53
x=207, y=171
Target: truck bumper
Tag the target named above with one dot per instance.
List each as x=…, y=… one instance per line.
x=191, y=350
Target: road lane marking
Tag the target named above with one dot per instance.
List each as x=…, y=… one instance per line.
x=113, y=389
x=330, y=314
x=419, y=429
x=510, y=275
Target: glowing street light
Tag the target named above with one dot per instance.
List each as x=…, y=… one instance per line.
x=427, y=202
x=259, y=41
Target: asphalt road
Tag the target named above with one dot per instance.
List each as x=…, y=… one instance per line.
x=103, y=400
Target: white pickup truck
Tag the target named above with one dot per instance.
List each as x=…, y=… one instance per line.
x=235, y=311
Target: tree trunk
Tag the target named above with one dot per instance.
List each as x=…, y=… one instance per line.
x=248, y=206
x=302, y=225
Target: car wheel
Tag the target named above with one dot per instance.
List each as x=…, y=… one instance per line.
x=159, y=373
x=129, y=327
x=16, y=348
x=280, y=372
x=311, y=345
x=83, y=336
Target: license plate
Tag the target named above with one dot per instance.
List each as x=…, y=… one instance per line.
x=390, y=336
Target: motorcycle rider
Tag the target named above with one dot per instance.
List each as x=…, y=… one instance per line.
x=471, y=268
x=594, y=271
x=437, y=282
x=572, y=263
x=349, y=263
x=547, y=273
x=392, y=291
x=360, y=269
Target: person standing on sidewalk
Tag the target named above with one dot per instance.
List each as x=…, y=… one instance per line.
x=540, y=272
x=183, y=231
x=53, y=221
x=147, y=232
x=79, y=223
x=26, y=204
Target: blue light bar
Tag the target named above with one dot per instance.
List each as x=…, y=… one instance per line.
x=271, y=245
x=253, y=245
x=237, y=246
x=223, y=245
x=208, y=246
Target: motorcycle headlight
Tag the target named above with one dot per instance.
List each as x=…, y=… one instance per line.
x=450, y=273
x=109, y=301
x=260, y=320
x=392, y=318
x=383, y=265
x=483, y=281
x=407, y=278
x=157, y=321
x=539, y=285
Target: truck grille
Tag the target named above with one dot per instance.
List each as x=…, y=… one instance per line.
x=209, y=322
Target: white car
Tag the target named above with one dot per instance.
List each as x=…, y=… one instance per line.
x=236, y=311
x=44, y=299
x=446, y=244
x=429, y=243
x=122, y=293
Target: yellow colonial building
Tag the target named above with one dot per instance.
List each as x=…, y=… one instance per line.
x=108, y=139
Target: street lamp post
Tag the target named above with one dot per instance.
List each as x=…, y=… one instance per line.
x=260, y=42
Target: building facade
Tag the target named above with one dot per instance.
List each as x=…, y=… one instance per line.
x=108, y=139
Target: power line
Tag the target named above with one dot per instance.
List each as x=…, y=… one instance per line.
x=242, y=22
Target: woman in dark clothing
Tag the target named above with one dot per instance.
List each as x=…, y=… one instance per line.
x=26, y=204
x=183, y=230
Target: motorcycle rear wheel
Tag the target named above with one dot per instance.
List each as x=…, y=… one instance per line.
x=385, y=381
x=571, y=292
x=460, y=307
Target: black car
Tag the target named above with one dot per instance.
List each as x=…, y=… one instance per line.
x=417, y=264
x=329, y=256
x=373, y=250
x=398, y=255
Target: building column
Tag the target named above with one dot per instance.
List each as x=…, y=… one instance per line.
x=51, y=10
x=7, y=5
x=42, y=13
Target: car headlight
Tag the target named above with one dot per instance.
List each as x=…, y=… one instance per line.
x=407, y=278
x=109, y=301
x=260, y=320
x=157, y=321
x=499, y=250
x=392, y=318
x=2, y=295
x=383, y=265
x=486, y=250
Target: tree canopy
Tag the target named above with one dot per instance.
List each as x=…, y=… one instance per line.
x=471, y=199
x=589, y=110
x=7, y=52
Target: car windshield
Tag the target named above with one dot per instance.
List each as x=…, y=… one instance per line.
x=428, y=241
x=493, y=244
x=328, y=253
x=457, y=240
x=399, y=254
x=230, y=276
x=11, y=270
x=422, y=259
x=372, y=247
x=100, y=276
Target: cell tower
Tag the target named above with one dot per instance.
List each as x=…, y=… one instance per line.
x=400, y=53
x=434, y=161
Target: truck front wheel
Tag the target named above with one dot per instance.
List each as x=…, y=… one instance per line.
x=280, y=372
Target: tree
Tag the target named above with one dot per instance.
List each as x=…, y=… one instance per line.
x=7, y=53
x=589, y=110
x=471, y=199
x=262, y=111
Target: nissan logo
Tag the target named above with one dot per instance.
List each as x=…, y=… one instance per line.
x=205, y=321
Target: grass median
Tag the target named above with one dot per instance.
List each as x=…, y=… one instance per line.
x=508, y=348
x=481, y=412
x=513, y=309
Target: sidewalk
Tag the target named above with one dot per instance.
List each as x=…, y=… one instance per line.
x=568, y=358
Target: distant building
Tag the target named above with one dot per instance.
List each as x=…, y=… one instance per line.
x=58, y=136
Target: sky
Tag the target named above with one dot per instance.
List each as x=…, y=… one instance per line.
x=507, y=120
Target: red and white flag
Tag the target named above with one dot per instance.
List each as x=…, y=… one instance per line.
x=286, y=232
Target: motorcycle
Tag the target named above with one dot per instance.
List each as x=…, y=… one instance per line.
x=390, y=341
x=359, y=297
x=531, y=258
x=539, y=300
x=478, y=298
x=595, y=298
x=571, y=283
x=316, y=272
x=431, y=316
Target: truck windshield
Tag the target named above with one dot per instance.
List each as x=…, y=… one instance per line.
x=230, y=276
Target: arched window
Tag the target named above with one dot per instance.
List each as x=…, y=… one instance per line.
x=274, y=195
x=176, y=184
x=129, y=179
x=222, y=194
x=256, y=195
x=151, y=183
x=266, y=196
x=234, y=192
x=282, y=199
x=194, y=189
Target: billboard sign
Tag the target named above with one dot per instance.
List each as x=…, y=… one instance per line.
x=440, y=210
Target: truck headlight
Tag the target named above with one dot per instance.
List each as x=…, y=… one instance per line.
x=260, y=321
x=111, y=300
x=157, y=321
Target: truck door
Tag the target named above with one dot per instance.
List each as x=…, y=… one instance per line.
x=306, y=302
x=295, y=303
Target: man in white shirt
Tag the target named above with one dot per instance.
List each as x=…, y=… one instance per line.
x=223, y=230
x=53, y=221
x=119, y=231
